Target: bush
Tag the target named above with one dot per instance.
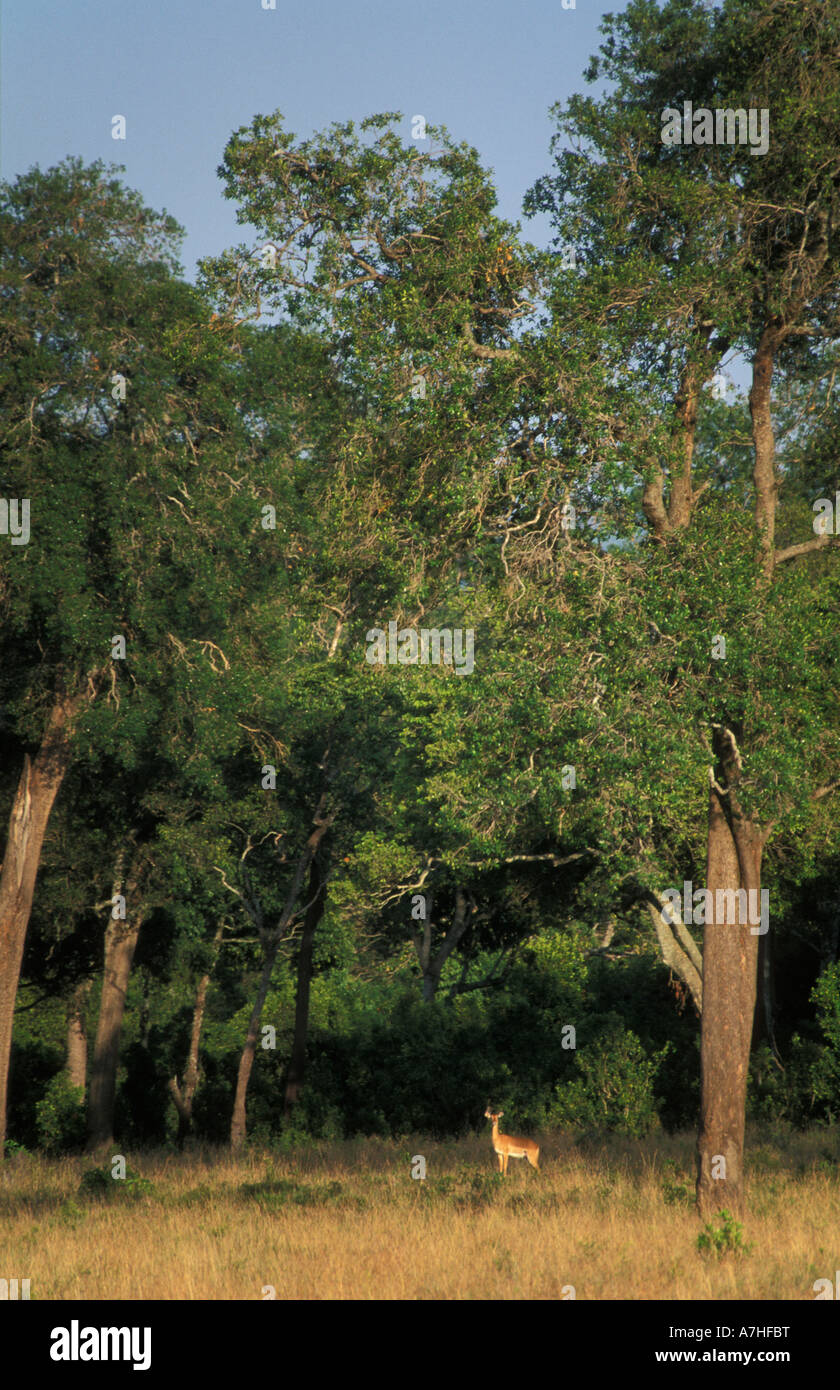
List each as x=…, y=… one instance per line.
x=807, y=1088
x=60, y=1116
x=725, y=1239
x=825, y=1071
x=614, y=1087
x=100, y=1182
x=34, y=1064
x=675, y=1192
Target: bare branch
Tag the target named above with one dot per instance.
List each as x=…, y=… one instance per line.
x=683, y=962
x=805, y=548
x=826, y=790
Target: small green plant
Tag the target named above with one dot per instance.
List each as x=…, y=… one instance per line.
x=440, y=1189
x=100, y=1182
x=70, y=1214
x=674, y=1192
x=727, y=1238
x=96, y=1182
x=16, y=1150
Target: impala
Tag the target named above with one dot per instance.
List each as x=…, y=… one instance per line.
x=507, y=1147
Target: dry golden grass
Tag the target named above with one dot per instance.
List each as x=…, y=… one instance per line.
x=346, y=1220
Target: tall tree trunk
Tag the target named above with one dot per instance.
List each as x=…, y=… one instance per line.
x=37, y=789
x=431, y=982
x=730, y=959
x=730, y=951
x=77, y=1048
x=314, y=913
x=183, y=1095
x=239, y=1119
x=683, y=498
x=271, y=945
x=120, y=944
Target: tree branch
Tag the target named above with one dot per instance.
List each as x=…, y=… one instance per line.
x=685, y=960
x=478, y=349
x=805, y=548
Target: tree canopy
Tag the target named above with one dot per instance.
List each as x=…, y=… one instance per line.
x=405, y=602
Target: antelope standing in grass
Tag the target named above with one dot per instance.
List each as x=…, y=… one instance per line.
x=507, y=1147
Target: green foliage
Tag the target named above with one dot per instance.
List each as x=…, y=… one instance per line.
x=13, y=1149
x=273, y=1196
x=675, y=1190
x=34, y=1064
x=773, y=1093
x=60, y=1116
x=391, y=1064
x=613, y=1089
x=805, y=1087
x=99, y=1182
x=543, y=388
x=825, y=1071
x=725, y=1238
x=71, y=1214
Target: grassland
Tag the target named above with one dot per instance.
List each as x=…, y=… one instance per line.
x=347, y=1221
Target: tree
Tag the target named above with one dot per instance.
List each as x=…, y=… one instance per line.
x=114, y=381
x=393, y=259
x=690, y=252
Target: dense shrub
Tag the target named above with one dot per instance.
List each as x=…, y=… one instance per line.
x=804, y=1086
x=33, y=1066
x=825, y=1069
x=60, y=1116
x=613, y=1089
x=382, y=1062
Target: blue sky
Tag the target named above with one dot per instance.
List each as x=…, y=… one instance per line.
x=186, y=73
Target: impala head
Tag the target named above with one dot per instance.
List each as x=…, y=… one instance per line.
x=493, y=1114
